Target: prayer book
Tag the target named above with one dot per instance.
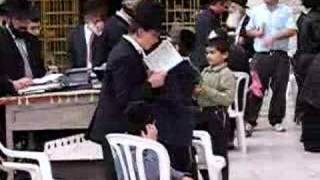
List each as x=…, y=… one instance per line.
x=163, y=58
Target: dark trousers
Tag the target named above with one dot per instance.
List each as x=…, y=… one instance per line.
x=182, y=159
x=272, y=68
x=108, y=161
x=215, y=122
x=301, y=66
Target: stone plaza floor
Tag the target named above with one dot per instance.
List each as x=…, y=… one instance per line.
x=275, y=156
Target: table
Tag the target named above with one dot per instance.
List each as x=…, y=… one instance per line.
x=49, y=111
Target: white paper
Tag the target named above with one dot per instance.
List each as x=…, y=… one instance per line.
x=47, y=79
x=39, y=88
x=163, y=58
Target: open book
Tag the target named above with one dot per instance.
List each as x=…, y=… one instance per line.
x=163, y=58
x=50, y=78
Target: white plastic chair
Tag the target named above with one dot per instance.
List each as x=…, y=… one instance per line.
x=73, y=148
x=121, y=145
x=237, y=112
x=32, y=169
x=40, y=157
x=206, y=160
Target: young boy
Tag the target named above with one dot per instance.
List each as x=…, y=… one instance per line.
x=215, y=94
x=141, y=123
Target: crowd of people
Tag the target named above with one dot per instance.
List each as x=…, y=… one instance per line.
x=196, y=93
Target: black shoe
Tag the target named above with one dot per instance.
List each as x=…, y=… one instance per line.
x=231, y=145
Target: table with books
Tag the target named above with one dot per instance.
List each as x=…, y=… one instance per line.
x=49, y=111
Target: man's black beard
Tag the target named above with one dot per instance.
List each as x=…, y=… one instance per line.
x=17, y=33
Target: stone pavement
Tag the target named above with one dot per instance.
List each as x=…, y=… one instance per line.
x=275, y=156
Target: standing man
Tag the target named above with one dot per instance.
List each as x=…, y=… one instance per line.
x=208, y=20
x=271, y=25
x=19, y=58
x=115, y=27
x=126, y=79
x=307, y=68
x=82, y=40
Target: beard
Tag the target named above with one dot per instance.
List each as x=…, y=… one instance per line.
x=234, y=19
x=18, y=34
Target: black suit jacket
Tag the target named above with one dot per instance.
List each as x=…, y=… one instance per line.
x=114, y=29
x=12, y=64
x=77, y=48
x=124, y=82
x=172, y=108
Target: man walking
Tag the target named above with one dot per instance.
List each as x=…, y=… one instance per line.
x=271, y=25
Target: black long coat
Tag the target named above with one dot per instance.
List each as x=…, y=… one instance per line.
x=308, y=43
x=172, y=108
x=310, y=93
x=12, y=64
x=114, y=29
x=123, y=83
x=77, y=48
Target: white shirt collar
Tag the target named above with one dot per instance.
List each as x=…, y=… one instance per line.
x=11, y=33
x=266, y=6
x=125, y=16
x=87, y=34
x=238, y=30
x=135, y=44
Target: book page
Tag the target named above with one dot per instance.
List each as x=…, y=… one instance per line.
x=46, y=79
x=163, y=58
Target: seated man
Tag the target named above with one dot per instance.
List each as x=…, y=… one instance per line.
x=142, y=123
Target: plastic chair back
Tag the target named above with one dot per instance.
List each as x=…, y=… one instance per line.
x=42, y=158
x=32, y=169
x=73, y=148
x=235, y=108
x=206, y=159
x=122, y=145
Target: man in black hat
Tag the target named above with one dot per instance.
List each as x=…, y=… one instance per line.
x=20, y=59
x=126, y=79
x=240, y=51
x=238, y=20
x=82, y=40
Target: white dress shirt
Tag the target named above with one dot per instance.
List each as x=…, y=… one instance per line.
x=272, y=21
x=125, y=16
x=88, y=36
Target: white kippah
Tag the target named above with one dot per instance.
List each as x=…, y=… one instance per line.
x=212, y=35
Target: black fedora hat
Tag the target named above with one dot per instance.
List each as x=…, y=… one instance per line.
x=242, y=3
x=4, y=8
x=19, y=9
x=149, y=15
